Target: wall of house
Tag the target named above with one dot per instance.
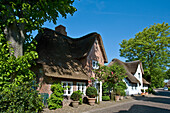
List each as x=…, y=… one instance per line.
x=45, y=83
x=95, y=54
x=145, y=87
x=138, y=71
x=130, y=90
x=137, y=90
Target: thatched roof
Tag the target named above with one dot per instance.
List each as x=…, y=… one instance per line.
x=130, y=68
x=60, y=54
x=145, y=82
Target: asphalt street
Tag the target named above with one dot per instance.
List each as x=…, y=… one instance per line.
x=159, y=103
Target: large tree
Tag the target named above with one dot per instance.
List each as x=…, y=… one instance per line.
x=20, y=17
x=17, y=52
x=151, y=46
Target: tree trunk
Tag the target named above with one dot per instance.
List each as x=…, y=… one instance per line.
x=15, y=35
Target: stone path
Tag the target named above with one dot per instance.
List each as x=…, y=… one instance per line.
x=85, y=107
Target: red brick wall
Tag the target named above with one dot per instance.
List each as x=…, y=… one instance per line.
x=95, y=54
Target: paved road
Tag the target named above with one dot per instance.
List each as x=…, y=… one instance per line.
x=159, y=103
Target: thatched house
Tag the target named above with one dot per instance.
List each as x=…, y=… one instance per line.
x=134, y=80
x=67, y=60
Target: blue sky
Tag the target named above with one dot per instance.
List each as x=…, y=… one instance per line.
x=114, y=20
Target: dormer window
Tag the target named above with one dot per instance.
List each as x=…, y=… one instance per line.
x=95, y=64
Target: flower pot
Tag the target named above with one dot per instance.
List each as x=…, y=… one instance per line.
x=117, y=98
x=121, y=98
x=143, y=94
x=75, y=104
x=92, y=101
x=146, y=93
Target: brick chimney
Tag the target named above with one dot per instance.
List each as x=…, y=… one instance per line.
x=61, y=29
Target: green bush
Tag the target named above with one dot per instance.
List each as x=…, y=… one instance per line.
x=105, y=98
x=118, y=91
x=146, y=90
x=168, y=88
x=56, y=98
x=20, y=99
x=75, y=96
x=91, y=92
x=142, y=90
x=151, y=90
x=80, y=100
x=105, y=89
x=122, y=93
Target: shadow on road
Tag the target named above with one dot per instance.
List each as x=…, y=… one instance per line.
x=153, y=99
x=165, y=93
x=144, y=109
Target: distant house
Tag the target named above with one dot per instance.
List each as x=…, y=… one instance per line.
x=134, y=80
x=67, y=60
x=168, y=83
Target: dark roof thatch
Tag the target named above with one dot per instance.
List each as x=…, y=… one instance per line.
x=60, y=54
x=130, y=68
x=145, y=82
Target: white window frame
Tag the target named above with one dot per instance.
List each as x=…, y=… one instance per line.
x=82, y=84
x=71, y=88
x=96, y=66
x=139, y=75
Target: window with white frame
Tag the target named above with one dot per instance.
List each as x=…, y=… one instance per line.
x=82, y=87
x=95, y=64
x=139, y=75
x=68, y=86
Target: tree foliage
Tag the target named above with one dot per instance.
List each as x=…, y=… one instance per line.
x=20, y=99
x=17, y=49
x=113, y=76
x=20, y=17
x=151, y=47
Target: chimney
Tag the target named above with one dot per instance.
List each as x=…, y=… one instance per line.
x=61, y=29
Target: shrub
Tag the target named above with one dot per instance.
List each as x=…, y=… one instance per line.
x=80, y=100
x=168, y=88
x=142, y=90
x=105, y=89
x=118, y=91
x=151, y=90
x=105, y=98
x=146, y=90
x=56, y=98
x=122, y=93
x=20, y=99
x=91, y=92
x=75, y=96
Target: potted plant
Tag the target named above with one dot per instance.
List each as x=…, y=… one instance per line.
x=117, y=96
x=75, y=97
x=146, y=92
x=142, y=90
x=91, y=92
x=122, y=94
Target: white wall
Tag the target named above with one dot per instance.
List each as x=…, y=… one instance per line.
x=137, y=90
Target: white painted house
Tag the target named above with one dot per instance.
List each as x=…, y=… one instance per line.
x=134, y=80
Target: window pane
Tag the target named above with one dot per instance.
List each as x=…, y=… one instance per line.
x=64, y=91
x=93, y=64
x=69, y=92
x=64, y=85
x=82, y=87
